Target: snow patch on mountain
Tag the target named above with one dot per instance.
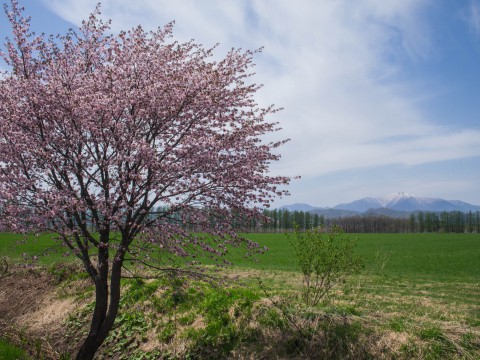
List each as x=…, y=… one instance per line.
x=391, y=200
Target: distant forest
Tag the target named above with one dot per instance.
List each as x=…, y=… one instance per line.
x=281, y=220
x=284, y=220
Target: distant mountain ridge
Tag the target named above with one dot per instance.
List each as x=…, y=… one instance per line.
x=397, y=205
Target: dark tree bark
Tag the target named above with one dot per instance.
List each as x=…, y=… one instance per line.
x=106, y=302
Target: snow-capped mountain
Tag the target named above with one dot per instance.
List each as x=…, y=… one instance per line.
x=393, y=204
x=407, y=202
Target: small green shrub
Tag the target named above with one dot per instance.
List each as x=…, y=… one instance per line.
x=325, y=257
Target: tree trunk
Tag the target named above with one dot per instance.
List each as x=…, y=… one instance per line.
x=106, y=309
x=88, y=349
x=92, y=342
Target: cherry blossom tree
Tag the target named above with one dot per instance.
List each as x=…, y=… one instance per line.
x=123, y=143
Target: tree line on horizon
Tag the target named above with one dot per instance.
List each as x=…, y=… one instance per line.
x=280, y=220
x=284, y=220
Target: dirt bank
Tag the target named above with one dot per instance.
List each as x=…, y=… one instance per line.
x=32, y=313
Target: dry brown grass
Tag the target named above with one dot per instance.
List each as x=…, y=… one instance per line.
x=30, y=313
x=389, y=320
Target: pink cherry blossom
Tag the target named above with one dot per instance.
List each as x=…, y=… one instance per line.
x=126, y=143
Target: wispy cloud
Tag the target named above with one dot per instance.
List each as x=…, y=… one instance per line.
x=473, y=16
x=335, y=66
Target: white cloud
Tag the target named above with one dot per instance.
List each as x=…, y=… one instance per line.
x=473, y=16
x=333, y=65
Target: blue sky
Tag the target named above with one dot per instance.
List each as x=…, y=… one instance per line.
x=379, y=96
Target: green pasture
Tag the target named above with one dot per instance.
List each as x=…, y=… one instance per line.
x=19, y=247
x=441, y=256
x=399, y=256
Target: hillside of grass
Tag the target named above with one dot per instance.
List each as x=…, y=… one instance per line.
x=417, y=297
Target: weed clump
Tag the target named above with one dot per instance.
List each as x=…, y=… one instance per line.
x=325, y=257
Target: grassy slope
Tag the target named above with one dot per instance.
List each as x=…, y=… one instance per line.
x=420, y=289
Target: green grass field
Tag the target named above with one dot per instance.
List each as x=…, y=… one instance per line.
x=439, y=256
x=454, y=257
x=14, y=245
x=418, y=292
